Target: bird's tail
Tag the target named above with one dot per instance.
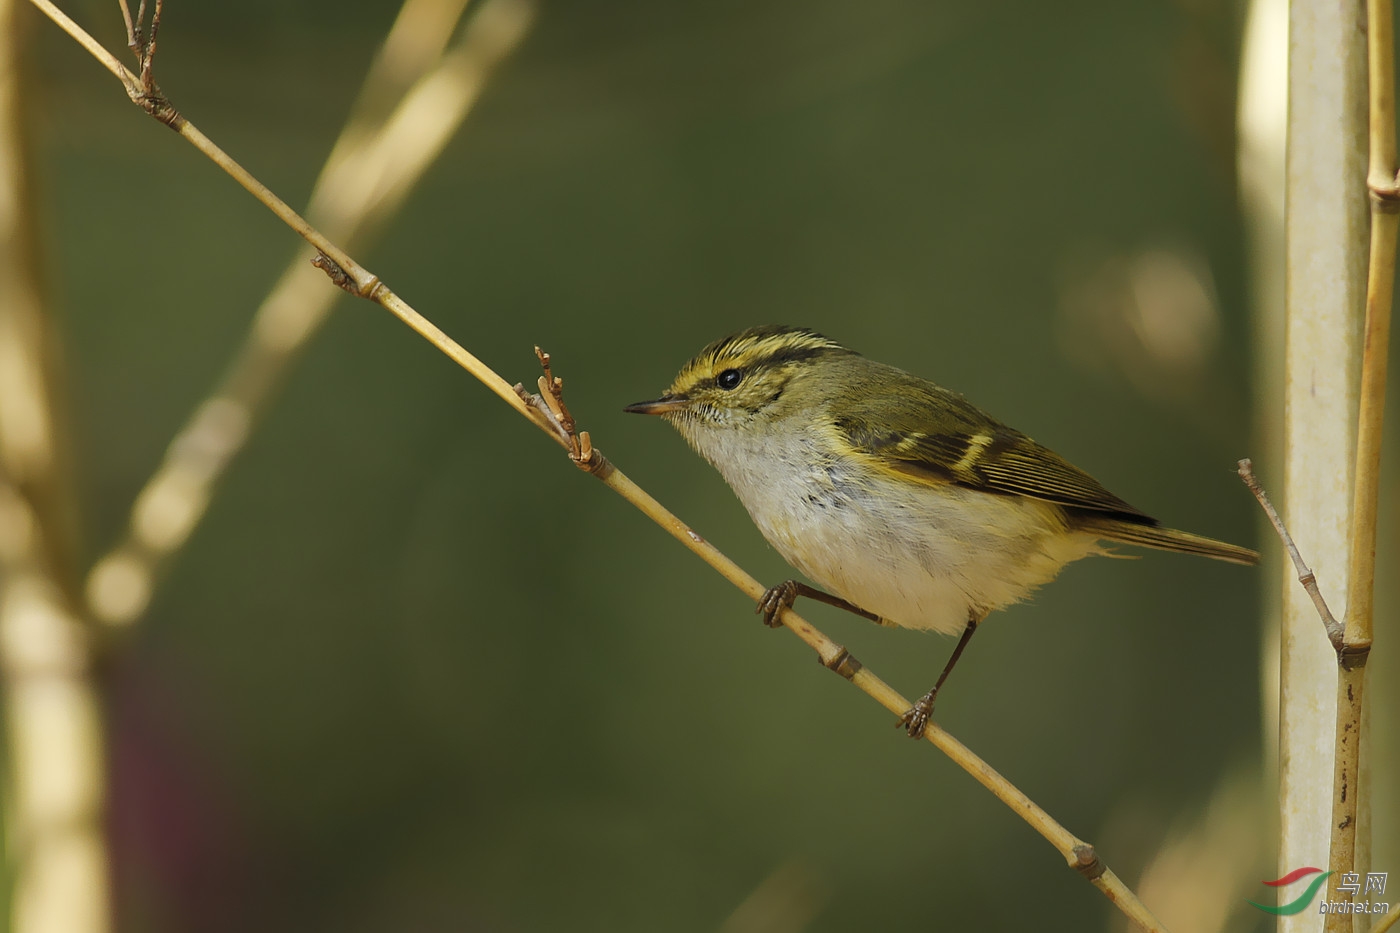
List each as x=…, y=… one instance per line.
x=1166, y=539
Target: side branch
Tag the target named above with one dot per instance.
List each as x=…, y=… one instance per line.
x=1351, y=670
x=1306, y=577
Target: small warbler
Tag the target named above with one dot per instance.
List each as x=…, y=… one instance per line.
x=911, y=505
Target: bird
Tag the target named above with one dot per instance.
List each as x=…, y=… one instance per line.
x=911, y=506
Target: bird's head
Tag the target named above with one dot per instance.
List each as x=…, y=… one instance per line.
x=744, y=379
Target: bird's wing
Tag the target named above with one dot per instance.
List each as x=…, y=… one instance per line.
x=932, y=435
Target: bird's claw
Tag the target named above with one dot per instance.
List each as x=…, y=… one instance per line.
x=774, y=600
x=915, y=720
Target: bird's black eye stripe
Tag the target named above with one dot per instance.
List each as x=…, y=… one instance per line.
x=729, y=378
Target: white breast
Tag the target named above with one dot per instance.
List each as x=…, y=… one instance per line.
x=924, y=557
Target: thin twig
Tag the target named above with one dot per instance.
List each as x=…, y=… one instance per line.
x=1350, y=685
x=148, y=53
x=1305, y=575
x=1078, y=854
x=133, y=41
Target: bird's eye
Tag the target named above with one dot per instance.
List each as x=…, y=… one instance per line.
x=728, y=379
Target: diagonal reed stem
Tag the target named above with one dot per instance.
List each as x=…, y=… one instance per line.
x=360, y=282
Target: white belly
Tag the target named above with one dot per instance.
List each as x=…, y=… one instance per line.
x=918, y=556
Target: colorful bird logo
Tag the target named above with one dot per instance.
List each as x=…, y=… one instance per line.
x=1303, y=900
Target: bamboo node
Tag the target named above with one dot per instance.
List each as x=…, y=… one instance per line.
x=843, y=663
x=1385, y=200
x=1384, y=188
x=372, y=288
x=1087, y=862
x=1353, y=657
x=158, y=106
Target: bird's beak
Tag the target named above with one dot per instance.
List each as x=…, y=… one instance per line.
x=660, y=406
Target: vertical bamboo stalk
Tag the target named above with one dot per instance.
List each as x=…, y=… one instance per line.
x=55, y=852
x=1350, y=804
x=1325, y=285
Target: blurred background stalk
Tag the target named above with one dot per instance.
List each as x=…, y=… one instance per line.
x=420, y=88
x=55, y=848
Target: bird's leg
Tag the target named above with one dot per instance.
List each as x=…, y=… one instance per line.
x=780, y=597
x=918, y=715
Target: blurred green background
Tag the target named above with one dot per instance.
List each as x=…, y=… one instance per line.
x=414, y=672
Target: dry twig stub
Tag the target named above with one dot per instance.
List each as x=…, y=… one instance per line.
x=147, y=94
x=548, y=408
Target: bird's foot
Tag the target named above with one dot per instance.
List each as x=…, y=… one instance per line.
x=916, y=719
x=775, y=600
